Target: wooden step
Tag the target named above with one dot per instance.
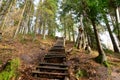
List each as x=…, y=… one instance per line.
x=48, y=57
x=51, y=68
x=54, y=59
x=49, y=75
x=56, y=55
x=60, y=46
x=54, y=52
x=57, y=49
x=53, y=64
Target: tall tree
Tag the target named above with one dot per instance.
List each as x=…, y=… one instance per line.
x=90, y=10
x=11, y=2
x=21, y=17
x=46, y=16
x=113, y=6
x=104, y=5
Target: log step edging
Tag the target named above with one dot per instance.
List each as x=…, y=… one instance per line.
x=53, y=64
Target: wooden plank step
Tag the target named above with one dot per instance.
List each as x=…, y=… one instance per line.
x=53, y=64
x=55, y=52
x=49, y=55
x=51, y=68
x=55, y=59
x=50, y=73
x=58, y=46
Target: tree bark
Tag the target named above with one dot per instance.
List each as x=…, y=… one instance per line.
x=116, y=49
x=65, y=30
x=44, y=29
x=21, y=17
x=101, y=57
x=5, y=18
x=73, y=34
x=117, y=23
x=69, y=33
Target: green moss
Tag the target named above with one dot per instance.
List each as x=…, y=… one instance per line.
x=10, y=70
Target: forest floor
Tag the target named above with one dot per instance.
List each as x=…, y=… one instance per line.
x=81, y=65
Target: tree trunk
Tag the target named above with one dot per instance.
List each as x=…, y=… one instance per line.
x=65, y=30
x=76, y=42
x=29, y=19
x=44, y=29
x=73, y=34
x=79, y=40
x=69, y=33
x=116, y=49
x=5, y=18
x=101, y=57
x=117, y=24
x=21, y=17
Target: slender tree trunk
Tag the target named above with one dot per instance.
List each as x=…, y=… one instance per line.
x=112, y=19
x=87, y=34
x=65, y=30
x=5, y=18
x=21, y=17
x=35, y=26
x=50, y=29
x=69, y=33
x=101, y=57
x=4, y=7
x=79, y=39
x=29, y=20
x=117, y=23
x=44, y=29
x=29, y=29
x=116, y=49
x=73, y=34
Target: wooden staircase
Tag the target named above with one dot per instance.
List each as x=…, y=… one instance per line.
x=54, y=66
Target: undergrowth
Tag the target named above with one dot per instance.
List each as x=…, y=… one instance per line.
x=81, y=73
x=10, y=70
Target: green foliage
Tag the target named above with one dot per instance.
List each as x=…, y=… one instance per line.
x=81, y=73
x=0, y=62
x=108, y=51
x=11, y=70
x=99, y=60
x=106, y=64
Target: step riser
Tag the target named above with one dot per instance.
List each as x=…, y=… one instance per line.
x=50, y=70
x=51, y=64
x=49, y=76
x=56, y=60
